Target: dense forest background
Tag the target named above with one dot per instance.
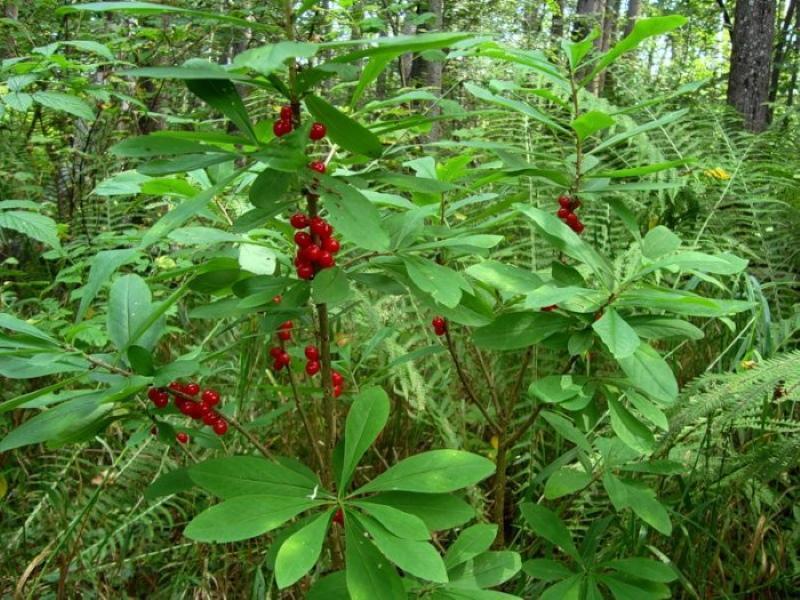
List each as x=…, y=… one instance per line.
x=654, y=454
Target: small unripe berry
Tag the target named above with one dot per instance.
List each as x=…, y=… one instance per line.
x=305, y=271
x=182, y=437
x=317, y=166
x=299, y=221
x=210, y=397
x=331, y=244
x=286, y=113
x=325, y=260
x=317, y=131
x=312, y=353
x=191, y=388
x=312, y=367
x=220, y=427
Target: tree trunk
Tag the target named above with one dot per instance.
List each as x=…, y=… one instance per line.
x=434, y=70
x=584, y=17
x=610, y=20
x=781, y=52
x=796, y=67
x=631, y=15
x=751, y=55
x=557, y=28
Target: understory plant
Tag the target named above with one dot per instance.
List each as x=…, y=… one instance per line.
x=340, y=214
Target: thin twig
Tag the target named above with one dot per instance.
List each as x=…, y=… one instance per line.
x=466, y=383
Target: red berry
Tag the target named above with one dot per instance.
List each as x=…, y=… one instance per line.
x=327, y=230
x=312, y=367
x=195, y=410
x=337, y=379
x=277, y=299
x=302, y=239
x=285, y=335
x=286, y=325
x=572, y=220
x=191, y=388
x=184, y=406
x=299, y=221
x=281, y=128
x=312, y=353
x=311, y=253
x=176, y=386
x=322, y=228
x=182, y=437
x=338, y=517
x=317, y=132
x=440, y=331
x=210, y=417
x=438, y=322
x=220, y=427
x=563, y=213
x=330, y=244
x=326, y=260
x=285, y=359
x=550, y=308
x=153, y=393
x=275, y=352
x=316, y=224
x=564, y=201
x=210, y=397
x=337, y=390
x=286, y=113
x=161, y=400
x=578, y=228
x=317, y=166
x=305, y=271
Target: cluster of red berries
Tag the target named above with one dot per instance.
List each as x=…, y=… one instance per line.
x=439, y=325
x=285, y=125
x=184, y=395
x=567, y=213
x=315, y=250
x=313, y=366
x=280, y=356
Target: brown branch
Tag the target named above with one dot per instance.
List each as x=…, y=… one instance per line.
x=312, y=436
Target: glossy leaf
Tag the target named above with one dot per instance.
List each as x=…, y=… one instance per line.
x=343, y=130
x=545, y=523
x=619, y=337
x=365, y=420
x=251, y=476
x=300, y=551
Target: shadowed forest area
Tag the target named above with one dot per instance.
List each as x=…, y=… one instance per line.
x=400, y=299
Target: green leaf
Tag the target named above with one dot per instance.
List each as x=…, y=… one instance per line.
x=437, y=511
x=223, y=95
x=590, y=123
x=722, y=264
x=629, y=429
x=40, y=365
x=270, y=58
x=65, y=102
x=369, y=575
x=151, y=8
x=486, y=570
x=300, y=552
x=513, y=331
x=234, y=476
x=625, y=589
x=185, y=163
x=442, y=283
x=648, y=410
x=56, y=422
x=436, y=471
x=11, y=322
x=140, y=360
x=650, y=373
x=417, y=558
x=545, y=523
x=643, y=502
x=245, y=517
x=546, y=569
x=147, y=146
x=505, y=278
x=565, y=481
x=569, y=589
x=642, y=170
x=36, y=226
x=257, y=259
x=269, y=188
x=399, y=523
x=129, y=307
x=353, y=215
x=642, y=29
x=516, y=105
x=330, y=286
x=650, y=125
x=371, y=71
x=171, y=482
x=470, y=543
x=343, y=130
x=644, y=568
x=103, y=265
x=328, y=587
x=567, y=430
x=367, y=417
x=563, y=239
x=619, y=337
x=656, y=328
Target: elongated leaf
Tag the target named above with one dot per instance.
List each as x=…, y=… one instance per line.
x=567, y=430
x=470, y=543
x=506, y=278
x=129, y=306
x=353, y=215
x=655, y=124
x=650, y=373
x=546, y=569
x=545, y=523
x=399, y=523
x=565, y=481
x=270, y=58
x=343, y=130
x=656, y=328
x=145, y=146
x=418, y=558
x=437, y=511
x=222, y=95
x=590, y=123
x=12, y=323
x=104, y=265
x=152, y=8
x=39, y=227
x=629, y=429
x=442, y=283
x=172, y=482
x=619, y=337
x=513, y=331
x=66, y=102
x=300, y=551
x=369, y=575
x=269, y=188
x=249, y=476
x=432, y=472
x=516, y=105
x=487, y=570
x=367, y=417
x=330, y=286
x=245, y=517
x=643, y=502
x=644, y=568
